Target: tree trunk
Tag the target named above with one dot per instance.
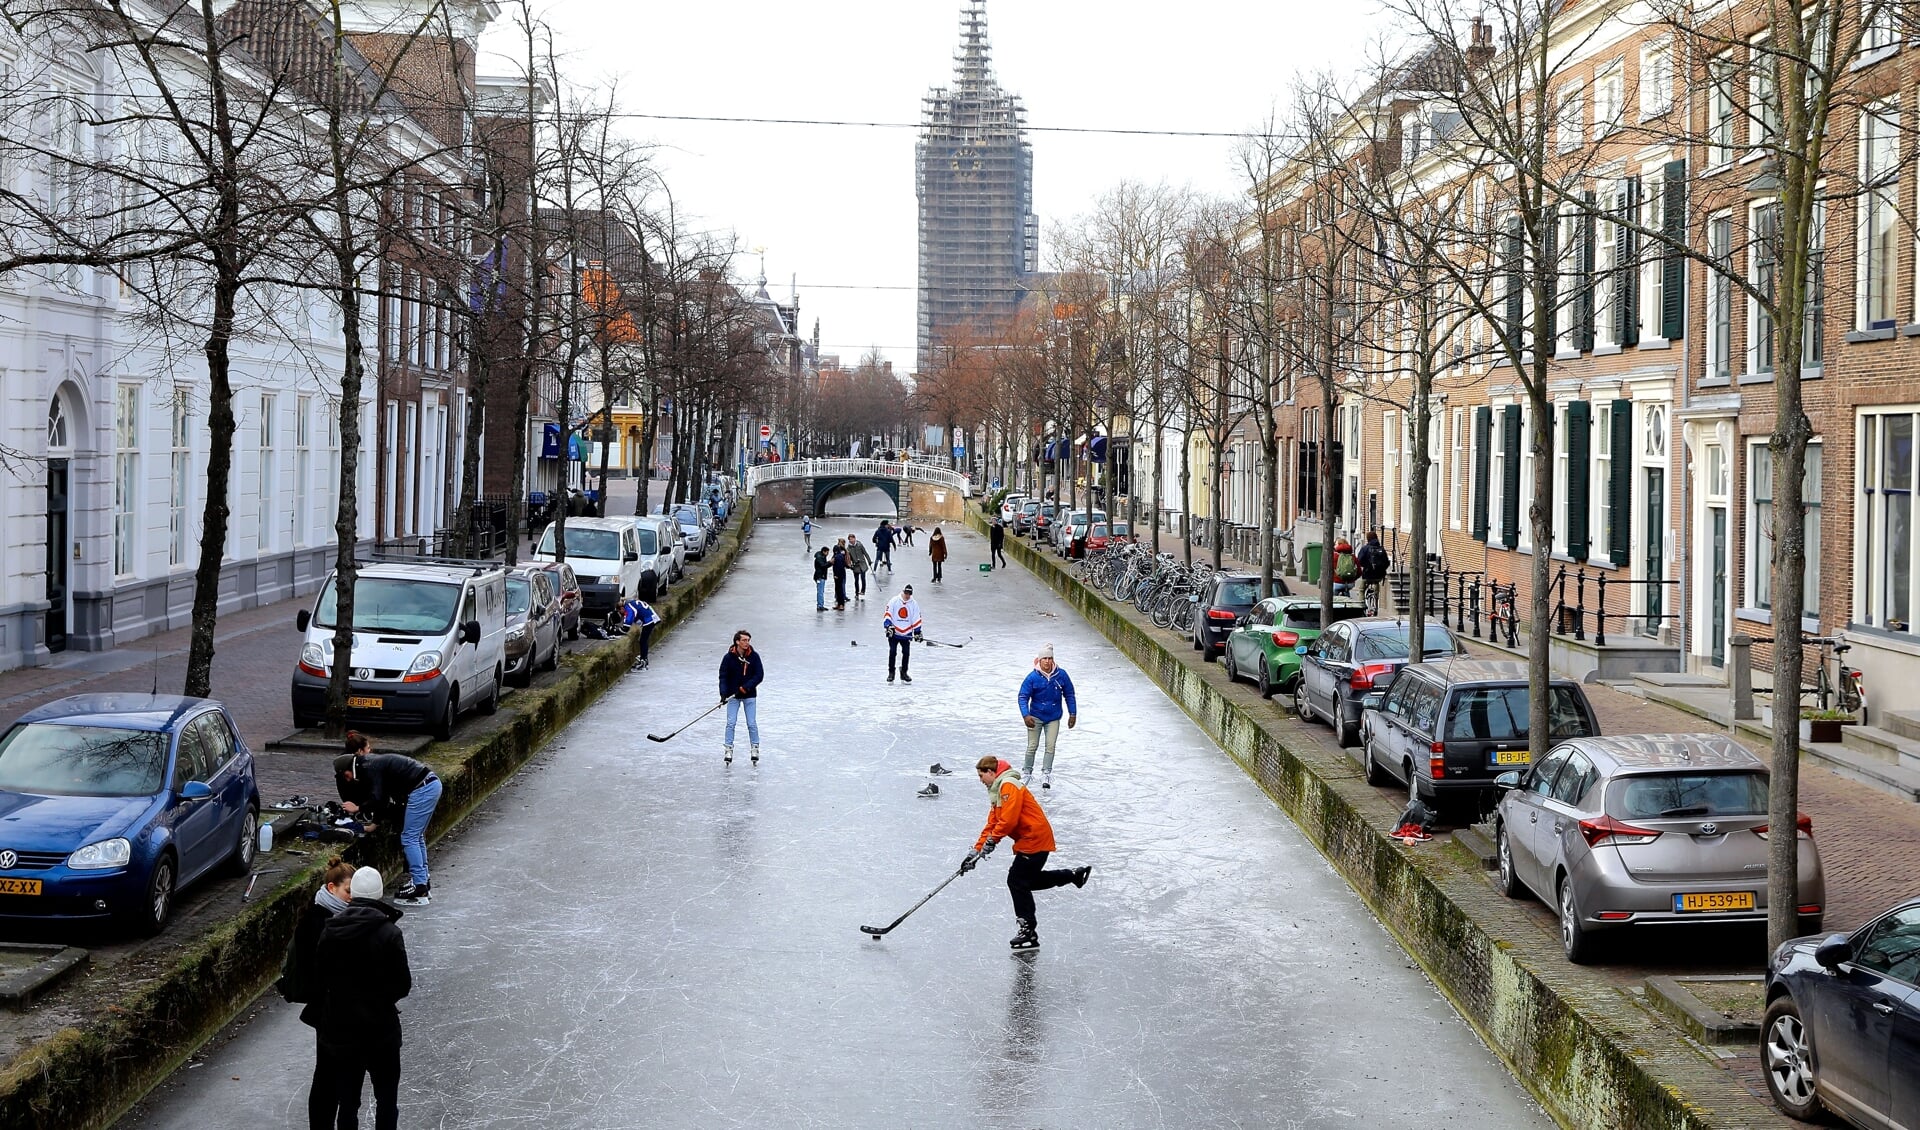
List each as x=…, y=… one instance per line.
x=1186, y=497
x=220, y=428
x=1540, y=562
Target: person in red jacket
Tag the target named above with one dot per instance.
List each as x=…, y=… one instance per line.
x=1015, y=813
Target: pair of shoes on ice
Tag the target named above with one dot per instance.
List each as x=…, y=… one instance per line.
x=903, y=678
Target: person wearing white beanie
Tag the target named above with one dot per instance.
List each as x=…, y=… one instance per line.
x=1042, y=694
x=361, y=967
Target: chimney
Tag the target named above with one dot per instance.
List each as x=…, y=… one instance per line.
x=1480, y=49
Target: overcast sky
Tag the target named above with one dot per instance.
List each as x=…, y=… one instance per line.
x=835, y=205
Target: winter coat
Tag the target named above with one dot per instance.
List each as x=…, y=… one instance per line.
x=997, y=536
x=858, y=557
x=742, y=677
x=360, y=965
x=299, y=981
x=1041, y=694
x=1014, y=812
x=937, y=547
x=903, y=617
x=883, y=538
x=821, y=563
x=839, y=564
x=1373, y=561
x=382, y=780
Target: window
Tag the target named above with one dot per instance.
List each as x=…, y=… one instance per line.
x=302, y=466
x=269, y=511
x=1813, y=347
x=391, y=331
x=1879, y=179
x=1525, y=534
x=181, y=471
x=1763, y=257
x=1497, y=484
x=1565, y=316
x=1455, y=465
x=1652, y=264
x=1570, y=121
x=1719, y=297
x=1884, y=525
x=1763, y=108
x=126, y=471
x=329, y=471
x=1609, y=239
x=1892, y=947
x=1561, y=480
x=1656, y=78
x=1760, y=526
x=1390, y=432
x=1720, y=111
x=1880, y=32
x=1609, y=94
x=1413, y=135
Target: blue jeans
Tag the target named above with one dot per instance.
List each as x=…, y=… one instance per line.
x=820, y=594
x=413, y=830
x=753, y=720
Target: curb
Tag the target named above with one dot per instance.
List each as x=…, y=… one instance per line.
x=1574, y=1040
x=86, y=1076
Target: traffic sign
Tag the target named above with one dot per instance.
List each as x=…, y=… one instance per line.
x=766, y=431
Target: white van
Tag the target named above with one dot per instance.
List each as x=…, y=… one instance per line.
x=673, y=546
x=656, y=558
x=605, y=555
x=429, y=641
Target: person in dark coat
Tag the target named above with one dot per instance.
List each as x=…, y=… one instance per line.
x=360, y=963
x=383, y=785
x=822, y=565
x=937, y=550
x=741, y=674
x=883, y=545
x=839, y=574
x=300, y=984
x=997, y=541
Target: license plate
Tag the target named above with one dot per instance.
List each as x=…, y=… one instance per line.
x=1512, y=757
x=355, y=702
x=1710, y=901
x=19, y=886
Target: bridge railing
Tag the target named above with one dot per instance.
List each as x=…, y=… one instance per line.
x=857, y=469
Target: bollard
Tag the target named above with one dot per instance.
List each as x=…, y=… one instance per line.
x=1740, y=677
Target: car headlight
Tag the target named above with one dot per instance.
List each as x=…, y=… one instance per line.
x=100, y=856
x=425, y=662
x=519, y=633
x=312, y=656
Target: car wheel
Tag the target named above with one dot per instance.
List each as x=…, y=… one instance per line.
x=1347, y=732
x=1574, y=937
x=158, y=906
x=1206, y=649
x=1227, y=664
x=1376, y=774
x=1786, y=1056
x=523, y=677
x=1413, y=784
x=241, y=861
x=443, y=727
x=491, y=704
x=1301, y=706
x=1264, y=681
x=553, y=654
x=1509, y=882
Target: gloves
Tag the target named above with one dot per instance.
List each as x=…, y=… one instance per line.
x=967, y=864
x=918, y=638
x=1029, y=720
x=986, y=849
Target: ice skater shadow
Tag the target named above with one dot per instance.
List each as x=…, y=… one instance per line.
x=1013, y=1077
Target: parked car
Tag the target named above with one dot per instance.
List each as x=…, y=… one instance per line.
x=693, y=528
x=605, y=554
x=1010, y=505
x=673, y=544
x=566, y=588
x=1648, y=829
x=1843, y=1021
x=1446, y=730
x=1043, y=520
x=533, y=625
x=1223, y=602
x=1024, y=518
x=1353, y=658
x=429, y=642
x=1266, y=646
x=656, y=559
x=1104, y=534
x=1074, y=525
x=116, y=802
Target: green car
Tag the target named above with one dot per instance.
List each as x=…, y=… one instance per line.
x=1262, y=647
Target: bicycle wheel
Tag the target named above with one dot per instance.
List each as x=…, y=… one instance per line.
x=1162, y=613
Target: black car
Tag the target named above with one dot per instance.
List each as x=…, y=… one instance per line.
x=1842, y=1029
x=1226, y=599
x=1351, y=658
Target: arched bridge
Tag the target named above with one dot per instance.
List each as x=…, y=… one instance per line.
x=816, y=479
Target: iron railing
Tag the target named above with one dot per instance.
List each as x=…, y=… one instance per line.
x=857, y=469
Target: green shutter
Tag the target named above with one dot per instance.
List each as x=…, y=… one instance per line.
x=1516, y=296
x=1550, y=275
x=1482, y=458
x=1626, y=291
x=1620, y=489
x=1673, y=269
x=1510, y=478
x=1579, y=465
x=1583, y=305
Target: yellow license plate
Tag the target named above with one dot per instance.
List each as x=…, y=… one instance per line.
x=357, y=703
x=19, y=886
x=1512, y=757
x=1714, y=900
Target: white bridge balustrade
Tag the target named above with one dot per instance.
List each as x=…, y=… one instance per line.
x=877, y=469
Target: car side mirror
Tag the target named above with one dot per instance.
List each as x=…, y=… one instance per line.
x=302, y=618
x=1373, y=700
x=195, y=790
x=1508, y=781
x=632, y=556
x=1836, y=949
x=470, y=632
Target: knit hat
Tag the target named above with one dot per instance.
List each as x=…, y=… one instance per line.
x=1045, y=652
x=908, y=590
x=367, y=884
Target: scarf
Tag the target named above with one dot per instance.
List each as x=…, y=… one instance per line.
x=329, y=901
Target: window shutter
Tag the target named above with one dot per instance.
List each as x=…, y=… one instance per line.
x=1673, y=268
x=1516, y=301
x=1510, y=475
x=1627, y=290
x=1482, y=458
x=1583, y=306
x=1550, y=276
x=1620, y=490
x=1579, y=469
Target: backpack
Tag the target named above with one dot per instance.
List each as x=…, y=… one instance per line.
x=1375, y=563
x=1345, y=568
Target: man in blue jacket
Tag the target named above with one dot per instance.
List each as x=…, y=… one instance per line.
x=1042, y=694
x=883, y=546
x=741, y=674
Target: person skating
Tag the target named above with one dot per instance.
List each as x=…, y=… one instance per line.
x=937, y=550
x=906, y=530
x=902, y=624
x=997, y=542
x=822, y=565
x=1042, y=694
x=380, y=783
x=741, y=673
x=300, y=984
x=883, y=536
x=839, y=574
x=859, y=560
x=1014, y=813
x=360, y=964
x=645, y=619
x=806, y=531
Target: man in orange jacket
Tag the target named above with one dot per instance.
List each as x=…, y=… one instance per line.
x=1016, y=813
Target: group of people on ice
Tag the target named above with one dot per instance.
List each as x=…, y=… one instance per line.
x=848, y=558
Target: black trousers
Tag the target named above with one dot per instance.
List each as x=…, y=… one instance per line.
x=936, y=569
x=1027, y=876
x=839, y=586
x=999, y=555
x=322, y=1103
x=859, y=582
x=351, y=1067
x=903, y=645
x=646, y=633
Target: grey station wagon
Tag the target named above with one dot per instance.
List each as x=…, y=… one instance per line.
x=1647, y=830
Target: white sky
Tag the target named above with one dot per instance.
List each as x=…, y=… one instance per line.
x=836, y=205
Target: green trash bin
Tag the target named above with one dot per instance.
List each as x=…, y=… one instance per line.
x=1310, y=563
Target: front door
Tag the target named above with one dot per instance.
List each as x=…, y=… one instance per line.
x=1653, y=565
x=57, y=560
x=1717, y=568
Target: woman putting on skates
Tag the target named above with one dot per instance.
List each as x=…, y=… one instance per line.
x=1014, y=812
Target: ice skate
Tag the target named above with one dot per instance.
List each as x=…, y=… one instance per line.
x=727, y=752
x=1080, y=876
x=1027, y=939
x=756, y=753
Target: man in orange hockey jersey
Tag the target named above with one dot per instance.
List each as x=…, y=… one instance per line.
x=1015, y=813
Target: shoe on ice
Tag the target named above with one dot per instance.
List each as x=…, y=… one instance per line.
x=939, y=770
x=905, y=678
x=756, y=753
x=1027, y=939
x=1080, y=875
x=1046, y=778
x=889, y=676
x=727, y=752
x=413, y=894
x=931, y=790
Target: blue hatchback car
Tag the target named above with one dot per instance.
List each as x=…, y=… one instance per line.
x=111, y=803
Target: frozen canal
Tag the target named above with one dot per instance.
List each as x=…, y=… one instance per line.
x=633, y=935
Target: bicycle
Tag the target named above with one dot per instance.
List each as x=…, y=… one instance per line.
x=1848, y=691
x=1370, y=596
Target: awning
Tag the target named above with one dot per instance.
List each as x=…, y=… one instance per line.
x=1097, y=450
